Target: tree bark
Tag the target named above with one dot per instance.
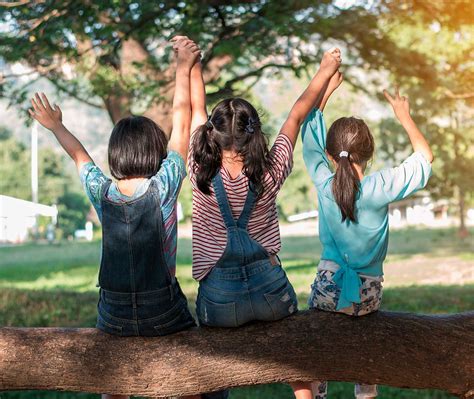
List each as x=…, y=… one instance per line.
x=397, y=349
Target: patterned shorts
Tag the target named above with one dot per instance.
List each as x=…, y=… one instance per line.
x=325, y=295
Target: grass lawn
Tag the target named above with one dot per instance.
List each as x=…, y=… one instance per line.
x=54, y=285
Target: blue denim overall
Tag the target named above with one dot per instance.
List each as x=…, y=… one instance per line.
x=245, y=284
x=138, y=296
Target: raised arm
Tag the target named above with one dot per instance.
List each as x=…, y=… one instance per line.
x=330, y=87
x=329, y=64
x=187, y=53
x=401, y=107
x=198, y=97
x=51, y=118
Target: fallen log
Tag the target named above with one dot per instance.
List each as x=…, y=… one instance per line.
x=397, y=349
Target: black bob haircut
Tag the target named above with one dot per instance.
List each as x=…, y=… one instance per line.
x=137, y=146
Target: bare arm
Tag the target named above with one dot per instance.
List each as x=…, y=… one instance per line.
x=198, y=97
x=329, y=64
x=51, y=118
x=197, y=89
x=179, y=141
x=401, y=107
x=331, y=86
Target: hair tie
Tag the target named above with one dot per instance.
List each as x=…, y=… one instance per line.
x=209, y=124
x=250, y=128
x=343, y=154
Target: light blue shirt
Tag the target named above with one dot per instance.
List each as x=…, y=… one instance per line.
x=359, y=247
x=169, y=178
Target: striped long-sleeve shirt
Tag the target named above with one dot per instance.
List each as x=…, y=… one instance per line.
x=209, y=231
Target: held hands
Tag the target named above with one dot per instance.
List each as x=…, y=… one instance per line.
x=400, y=105
x=49, y=117
x=188, y=52
x=335, y=81
x=331, y=62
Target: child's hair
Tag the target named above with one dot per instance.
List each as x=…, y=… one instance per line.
x=234, y=124
x=137, y=146
x=353, y=136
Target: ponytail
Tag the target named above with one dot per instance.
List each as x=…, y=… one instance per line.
x=345, y=187
x=207, y=156
x=349, y=142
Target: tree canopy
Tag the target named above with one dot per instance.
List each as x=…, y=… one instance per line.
x=114, y=54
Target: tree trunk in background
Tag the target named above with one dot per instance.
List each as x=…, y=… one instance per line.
x=397, y=349
x=162, y=113
x=118, y=107
x=463, y=231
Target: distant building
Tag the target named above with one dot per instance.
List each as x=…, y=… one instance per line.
x=18, y=217
x=420, y=210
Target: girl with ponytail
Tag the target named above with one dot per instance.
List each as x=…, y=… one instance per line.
x=235, y=180
x=353, y=208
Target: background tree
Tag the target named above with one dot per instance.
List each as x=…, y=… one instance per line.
x=443, y=105
x=72, y=209
x=114, y=55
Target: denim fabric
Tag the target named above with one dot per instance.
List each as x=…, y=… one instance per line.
x=244, y=285
x=138, y=296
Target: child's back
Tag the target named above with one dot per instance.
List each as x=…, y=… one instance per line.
x=356, y=246
x=209, y=230
x=353, y=210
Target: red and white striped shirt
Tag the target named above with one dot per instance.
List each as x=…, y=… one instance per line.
x=209, y=231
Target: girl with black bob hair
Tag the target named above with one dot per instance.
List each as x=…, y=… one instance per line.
x=139, y=293
x=235, y=180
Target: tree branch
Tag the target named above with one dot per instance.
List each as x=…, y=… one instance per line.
x=401, y=350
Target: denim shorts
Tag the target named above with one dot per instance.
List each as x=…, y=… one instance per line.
x=153, y=313
x=230, y=297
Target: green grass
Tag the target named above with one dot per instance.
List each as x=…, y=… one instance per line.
x=55, y=285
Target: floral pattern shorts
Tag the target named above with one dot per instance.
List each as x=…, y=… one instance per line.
x=324, y=296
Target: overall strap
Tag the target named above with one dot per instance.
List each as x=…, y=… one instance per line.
x=105, y=188
x=223, y=201
x=244, y=217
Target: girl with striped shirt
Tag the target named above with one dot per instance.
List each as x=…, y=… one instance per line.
x=235, y=180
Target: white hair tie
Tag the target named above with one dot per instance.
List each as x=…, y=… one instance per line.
x=343, y=154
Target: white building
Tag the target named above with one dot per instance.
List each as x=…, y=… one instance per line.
x=18, y=217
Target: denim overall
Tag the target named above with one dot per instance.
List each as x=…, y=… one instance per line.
x=138, y=296
x=245, y=284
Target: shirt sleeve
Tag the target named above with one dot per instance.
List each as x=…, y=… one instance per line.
x=400, y=182
x=313, y=135
x=93, y=179
x=169, y=178
x=281, y=160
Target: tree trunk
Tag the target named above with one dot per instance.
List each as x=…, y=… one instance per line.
x=397, y=349
x=463, y=231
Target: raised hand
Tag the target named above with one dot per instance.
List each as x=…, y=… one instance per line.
x=331, y=62
x=400, y=104
x=335, y=81
x=188, y=52
x=51, y=118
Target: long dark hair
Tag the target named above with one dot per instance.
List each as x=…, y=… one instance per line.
x=234, y=124
x=137, y=146
x=353, y=136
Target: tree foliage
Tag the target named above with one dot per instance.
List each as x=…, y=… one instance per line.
x=443, y=105
x=114, y=55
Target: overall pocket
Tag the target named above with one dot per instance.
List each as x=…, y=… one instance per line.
x=282, y=301
x=216, y=314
